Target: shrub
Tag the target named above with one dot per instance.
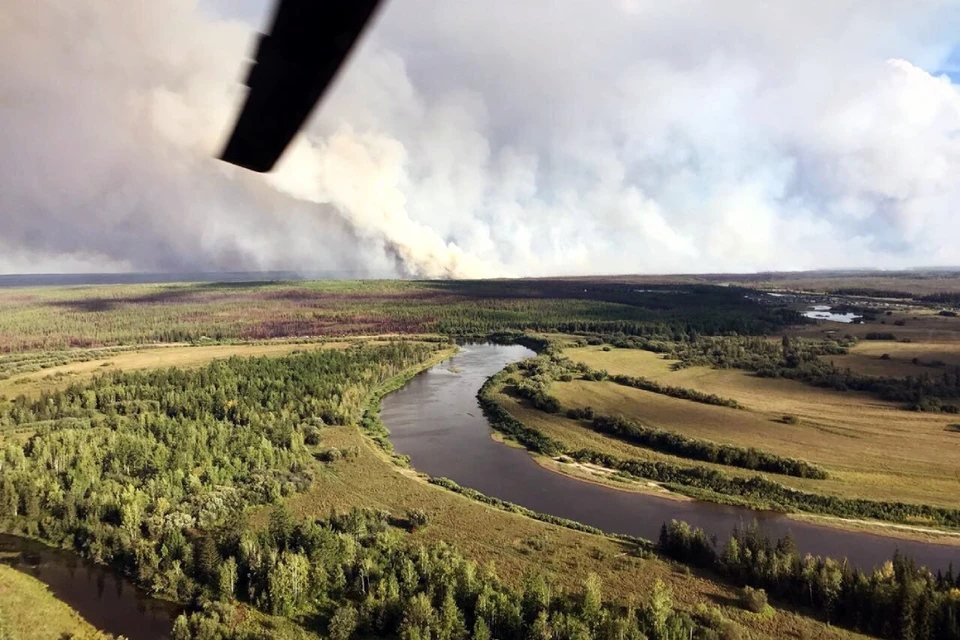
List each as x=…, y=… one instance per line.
x=311, y=435
x=791, y=419
x=730, y=630
x=885, y=356
x=581, y=414
x=331, y=455
x=607, y=347
x=754, y=600
x=417, y=519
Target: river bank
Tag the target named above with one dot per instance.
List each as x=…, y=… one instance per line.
x=435, y=420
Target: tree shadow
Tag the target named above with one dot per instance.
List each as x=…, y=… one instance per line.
x=722, y=600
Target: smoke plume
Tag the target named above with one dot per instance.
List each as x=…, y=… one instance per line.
x=472, y=139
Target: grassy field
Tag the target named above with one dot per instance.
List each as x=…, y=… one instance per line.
x=867, y=357
x=919, y=326
x=872, y=449
x=28, y=611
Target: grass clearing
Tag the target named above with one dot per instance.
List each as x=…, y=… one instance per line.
x=918, y=325
x=29, y=611
x=872, y=449
x=867, y=358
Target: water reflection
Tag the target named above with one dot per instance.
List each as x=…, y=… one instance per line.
x=101, y=596
x=823, y=312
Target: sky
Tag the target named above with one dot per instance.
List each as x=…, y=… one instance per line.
x=490, y=138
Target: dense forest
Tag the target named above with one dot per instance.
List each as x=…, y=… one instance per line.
x=81, y=318
x=122, y=469
x=899, y=600
x=360, y=576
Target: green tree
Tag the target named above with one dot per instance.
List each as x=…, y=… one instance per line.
x=536, y=596
x=181, y=629
x=480, y=630
x=451, y=624
x=540, y=629
x=659, y=610
x=288, y=583
x=343, y=624
x=592, y=599
x=418, y=618
x=227, y=578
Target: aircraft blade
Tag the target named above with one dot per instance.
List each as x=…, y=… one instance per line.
x=294, y=64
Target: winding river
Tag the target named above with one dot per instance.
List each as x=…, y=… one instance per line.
x=435, y=419
x=100, y=595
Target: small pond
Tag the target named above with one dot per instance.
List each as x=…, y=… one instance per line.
x=824, y=312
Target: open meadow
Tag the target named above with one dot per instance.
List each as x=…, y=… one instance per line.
x=871, y=448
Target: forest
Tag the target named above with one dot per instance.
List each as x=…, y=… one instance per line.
x=124, y=468
x=898, y=600
x=64, y=319
x=360, y=575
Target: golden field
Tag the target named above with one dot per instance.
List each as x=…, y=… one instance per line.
x=872, y=449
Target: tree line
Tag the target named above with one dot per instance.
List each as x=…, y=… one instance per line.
x=68, y=319
x=899, y=600
x=694, y=449
x=359, y=575
x=759, y=491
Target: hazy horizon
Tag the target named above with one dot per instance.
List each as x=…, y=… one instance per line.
x=173, y=277
x=489, y=139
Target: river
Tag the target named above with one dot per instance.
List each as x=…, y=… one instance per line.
x=100, y=595
x=436, y=420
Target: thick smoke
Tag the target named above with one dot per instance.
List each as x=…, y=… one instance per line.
x=489, y=138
